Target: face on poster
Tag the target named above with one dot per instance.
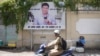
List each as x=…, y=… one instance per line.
x=45, y=16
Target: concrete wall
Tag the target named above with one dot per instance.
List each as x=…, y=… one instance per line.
x=70, y=33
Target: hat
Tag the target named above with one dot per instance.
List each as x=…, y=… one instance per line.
x=56, y=31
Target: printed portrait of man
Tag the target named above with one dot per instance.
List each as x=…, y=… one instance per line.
x=44, y=18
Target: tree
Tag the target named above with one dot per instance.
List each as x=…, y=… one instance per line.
x=16, y=12
x=72, y=4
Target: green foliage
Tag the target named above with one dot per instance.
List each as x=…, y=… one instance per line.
x=71, y=4
x=16, y=12
x=94, y=3
x=56, y=2
x=68, y=4
x=7, y=13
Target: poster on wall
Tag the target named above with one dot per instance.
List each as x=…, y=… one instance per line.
x=45, y=16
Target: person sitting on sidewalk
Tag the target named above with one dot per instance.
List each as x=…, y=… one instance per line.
x=81, y=42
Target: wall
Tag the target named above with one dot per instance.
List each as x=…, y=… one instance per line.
x=70, y=33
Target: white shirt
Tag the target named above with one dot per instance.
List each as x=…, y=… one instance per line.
x=39, y=19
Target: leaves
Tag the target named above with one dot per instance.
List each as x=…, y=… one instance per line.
x=95, y=3
x=7, y=13
x=72, y=4
x=68, y=4
x=16, y=12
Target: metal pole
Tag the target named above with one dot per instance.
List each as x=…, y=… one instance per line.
x=5, y=34
x=31, y=39
x=65, y=24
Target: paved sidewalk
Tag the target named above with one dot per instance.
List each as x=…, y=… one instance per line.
x=91, y=52
x=4, y=53
x=31, y=53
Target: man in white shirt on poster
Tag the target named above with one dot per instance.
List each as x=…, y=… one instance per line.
x=44, y=18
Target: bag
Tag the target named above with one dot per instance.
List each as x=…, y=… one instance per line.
x=67, y=53
x=41, y=49
x=63, y=44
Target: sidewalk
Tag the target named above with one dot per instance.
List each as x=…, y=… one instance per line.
x=89, y=52
x=32, y=53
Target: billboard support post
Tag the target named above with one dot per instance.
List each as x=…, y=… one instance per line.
x=31, y=39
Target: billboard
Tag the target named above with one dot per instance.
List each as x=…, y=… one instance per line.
x=45, y=16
